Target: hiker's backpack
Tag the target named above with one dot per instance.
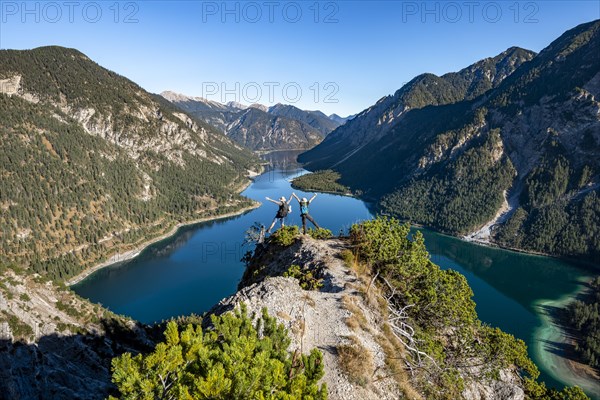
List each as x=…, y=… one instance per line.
x=304, y=207
x=284, y=209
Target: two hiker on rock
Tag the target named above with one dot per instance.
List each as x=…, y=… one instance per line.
x=285, y=208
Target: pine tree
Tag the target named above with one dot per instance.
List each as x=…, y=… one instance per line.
x=236, y=359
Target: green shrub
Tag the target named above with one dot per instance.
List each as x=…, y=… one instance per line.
x=437, y=302
x=348, y=258
x=68, y=309
x=18, y=328
x=231, y=361
x=285, y=236
x=305, y=277
x=320, y=233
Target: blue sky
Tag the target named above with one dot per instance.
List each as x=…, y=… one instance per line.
x=336, y=56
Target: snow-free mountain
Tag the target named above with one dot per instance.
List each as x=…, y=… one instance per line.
x=92, y=162
x=340, y=120
x=257, y=127
x=506, y=150
x=91, y=167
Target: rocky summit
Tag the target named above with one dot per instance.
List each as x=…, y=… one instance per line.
x=348, y=312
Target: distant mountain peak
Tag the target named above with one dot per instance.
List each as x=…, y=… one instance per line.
x=178, y=97
x=235, y=104
x=251, y=126
x=316, y=119
x=340, y=120
x=173, y=96
x=258, y=106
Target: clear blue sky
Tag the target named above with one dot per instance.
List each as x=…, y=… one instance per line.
x=352, y=52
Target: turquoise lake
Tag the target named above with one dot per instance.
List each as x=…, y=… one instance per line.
x=191, y=271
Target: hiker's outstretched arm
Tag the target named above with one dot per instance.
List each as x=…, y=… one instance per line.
x=312, y=198
x=290, y=200
x=296, y=196
x=271, y=200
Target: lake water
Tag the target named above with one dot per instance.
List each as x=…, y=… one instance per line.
x=191, y=271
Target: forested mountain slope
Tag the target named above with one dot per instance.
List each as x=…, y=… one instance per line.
x=92, y=163
x=532, y=140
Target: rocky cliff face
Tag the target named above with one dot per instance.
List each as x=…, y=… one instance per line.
x=211, y=112
x=124, y=115
x=56, y=345
x=348, y=312
x=425, y=90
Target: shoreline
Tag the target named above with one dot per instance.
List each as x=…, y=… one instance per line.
x=265, y=152
x=347, y=194
x=552, y=332
x=494, y=245
x=130, y=254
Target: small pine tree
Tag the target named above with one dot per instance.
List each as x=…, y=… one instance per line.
x=235, y=360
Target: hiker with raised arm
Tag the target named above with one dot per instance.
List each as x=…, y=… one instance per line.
x=282, y=211
x=304, y=211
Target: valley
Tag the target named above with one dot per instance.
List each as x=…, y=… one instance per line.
x=134, y=261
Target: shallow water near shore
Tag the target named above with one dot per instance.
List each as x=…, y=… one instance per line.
x=200, y=265
x=520, y=294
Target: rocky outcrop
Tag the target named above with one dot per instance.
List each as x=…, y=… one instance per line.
x=318, y=318
x=327, y=319
x=10, y=86
x=56, y=345
x=505, y=388
x=172, y=140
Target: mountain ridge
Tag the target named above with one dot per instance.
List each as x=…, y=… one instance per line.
x=424, y=90
x=341, y=120
x=280, y=127
x=316, y=119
